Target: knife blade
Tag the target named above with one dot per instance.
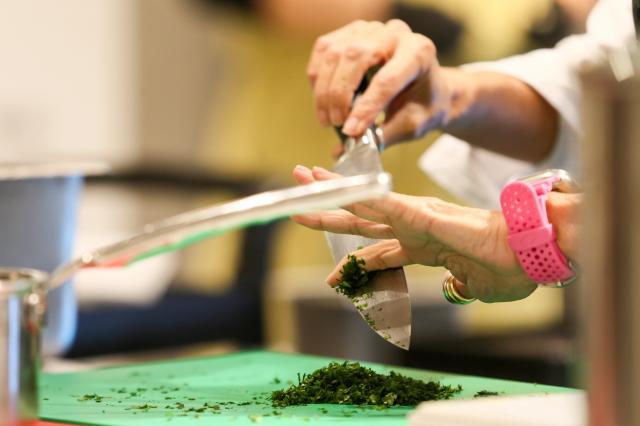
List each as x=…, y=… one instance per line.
x=387, y=307
x=188, y=228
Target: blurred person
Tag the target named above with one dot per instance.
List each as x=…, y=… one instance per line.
x=577, y=12
x=504, y=118
x=501, y=119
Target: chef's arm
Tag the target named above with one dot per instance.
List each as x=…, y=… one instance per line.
x=500, y=113
x=491, y=110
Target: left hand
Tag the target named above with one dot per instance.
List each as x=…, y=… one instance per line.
x=411, y=87
x=471, y=243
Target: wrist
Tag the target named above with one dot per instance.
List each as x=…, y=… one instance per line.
x=543, y=241
x=460, y=87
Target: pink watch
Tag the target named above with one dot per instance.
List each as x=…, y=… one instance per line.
x=531, y=236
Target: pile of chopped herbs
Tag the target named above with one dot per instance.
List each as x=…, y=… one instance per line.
x=352, y=384
x=355, y=278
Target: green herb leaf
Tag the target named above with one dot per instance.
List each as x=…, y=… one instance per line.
x=484, y=393
x=355, y=278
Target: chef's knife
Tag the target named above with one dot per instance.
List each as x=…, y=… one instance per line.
x=386, y=307
x=191, y=227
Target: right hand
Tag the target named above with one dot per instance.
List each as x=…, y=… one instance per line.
x=471, y=243
x=410, y=86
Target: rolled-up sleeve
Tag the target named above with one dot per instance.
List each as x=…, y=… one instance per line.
x=477, y=175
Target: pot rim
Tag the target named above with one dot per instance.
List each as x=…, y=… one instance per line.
x=20, y=280
x=48, y=169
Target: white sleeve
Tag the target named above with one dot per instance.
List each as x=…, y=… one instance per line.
x=477, y=175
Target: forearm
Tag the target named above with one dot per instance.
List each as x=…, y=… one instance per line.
x=500, y=113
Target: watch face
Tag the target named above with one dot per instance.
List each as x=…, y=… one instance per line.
x=559, y=284
x=563, y=181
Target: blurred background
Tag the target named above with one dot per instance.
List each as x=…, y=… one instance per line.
x=195, y=102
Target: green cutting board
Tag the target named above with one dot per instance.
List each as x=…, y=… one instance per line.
x=149, y=394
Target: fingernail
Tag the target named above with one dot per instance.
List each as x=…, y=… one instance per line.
x=351, y=126
x=331, y=280
x=300, y=167
x=323, y=118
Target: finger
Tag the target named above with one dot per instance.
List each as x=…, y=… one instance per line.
x=326, y=70
x=321, y=45
x=357, y=59
x=380, y=256
x=328, y=62
x=302, y=175
x=410, y=122
x=418, y=109
x=343, y=222
x=414, y=55
x=462, y=289
x=387, y=210
x=337, y=151
x=359, y=209
x=374, y=45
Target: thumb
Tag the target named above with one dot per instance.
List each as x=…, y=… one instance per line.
x=409, y=122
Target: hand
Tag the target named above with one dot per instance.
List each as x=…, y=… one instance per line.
x=490, y=110
x=471, y=243
x=411, y=86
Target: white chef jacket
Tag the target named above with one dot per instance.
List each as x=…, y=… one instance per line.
x=477, y=175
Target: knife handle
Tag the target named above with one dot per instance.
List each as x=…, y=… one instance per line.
x=364, y=83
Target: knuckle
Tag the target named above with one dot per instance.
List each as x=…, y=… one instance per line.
x=385, y=86
x=375, y=25
x=359, y=23
x=384, y=259
x=386, y=81
x=339, y=94
x=453, y=263
x=398, y=25
x=355, y=228
x=415, y=121
x=378, y=263
x=425, y=48
x=333, y=54
x=322, y=43
x=356, y=25
x=355, y=51
x=423, y=43
x=335, y=92
x=365, y=108
x=312, y=73
x=321, y=97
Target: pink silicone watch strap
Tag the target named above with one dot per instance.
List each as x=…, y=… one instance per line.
x=531, y=236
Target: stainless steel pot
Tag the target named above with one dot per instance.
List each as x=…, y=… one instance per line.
x=38, y=203
x=22, y=307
